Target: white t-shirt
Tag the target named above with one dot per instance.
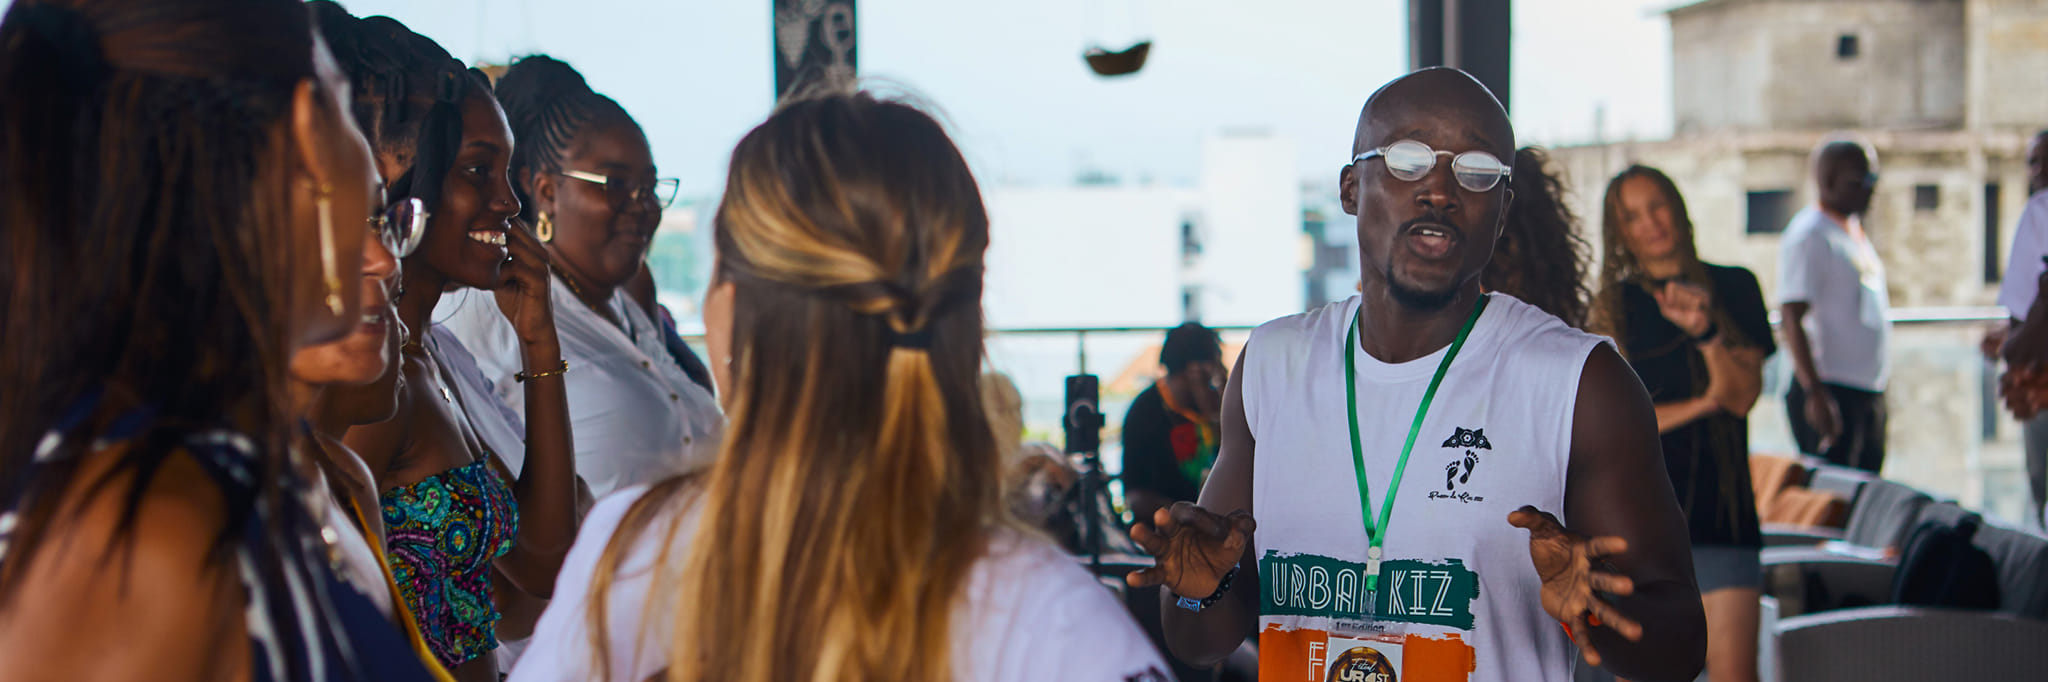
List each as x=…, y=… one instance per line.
x=635, y=415
x=1458, y=596
x=1030, y=613
x=2023, y=269
x=1840, y=277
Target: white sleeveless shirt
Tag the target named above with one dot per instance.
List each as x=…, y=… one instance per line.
x=1458, y=597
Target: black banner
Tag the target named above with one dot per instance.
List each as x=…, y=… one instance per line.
x=814, y=40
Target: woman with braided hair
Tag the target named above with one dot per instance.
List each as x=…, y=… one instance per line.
x=185, y=202
x=587, y=184
x=852, y=526
x=1697, y=334
x=478, y=508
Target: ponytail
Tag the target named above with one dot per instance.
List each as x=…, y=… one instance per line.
x=858, y=482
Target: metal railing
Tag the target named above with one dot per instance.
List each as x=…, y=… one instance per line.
x=1949, y=434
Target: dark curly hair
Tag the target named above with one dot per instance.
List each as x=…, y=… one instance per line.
x=1541, y=258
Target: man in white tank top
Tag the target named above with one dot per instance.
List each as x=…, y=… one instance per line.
x=1408, y=455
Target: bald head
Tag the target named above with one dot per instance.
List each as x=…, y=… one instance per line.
x=1846, y=176
x=1437, y=92
x=1422, y=241
x=1837, y=153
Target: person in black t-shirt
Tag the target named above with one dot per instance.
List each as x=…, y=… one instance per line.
x=1170, y=433
x=1170, y=436
x=1697, y=334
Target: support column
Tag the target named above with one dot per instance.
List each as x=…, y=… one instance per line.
x=1473, y=35
x=814, y=41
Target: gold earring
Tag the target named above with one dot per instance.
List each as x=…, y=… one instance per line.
x=543, y=227
x=323, y=202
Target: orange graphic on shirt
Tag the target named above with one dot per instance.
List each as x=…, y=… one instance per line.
x=1304, y=655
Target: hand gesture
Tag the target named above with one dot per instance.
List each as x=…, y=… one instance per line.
x=2025, y=345
x=1824, y=416
x=1194, y=548
x=1685, y=305
x=522, y=291
x=1565, y=562
x=2025, y=389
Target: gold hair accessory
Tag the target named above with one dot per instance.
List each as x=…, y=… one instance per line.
x=323, y=203
x=543, y=227
x=523, y=377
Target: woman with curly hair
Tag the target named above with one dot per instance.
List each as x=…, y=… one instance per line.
x=1540, y=257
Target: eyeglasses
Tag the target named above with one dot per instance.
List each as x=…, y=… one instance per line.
x=1409, y=161
x=622, y=194
x=401, y=225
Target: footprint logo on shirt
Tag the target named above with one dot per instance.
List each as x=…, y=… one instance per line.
x=1460, y=471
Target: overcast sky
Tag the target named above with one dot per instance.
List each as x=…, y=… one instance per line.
x=1009, y=78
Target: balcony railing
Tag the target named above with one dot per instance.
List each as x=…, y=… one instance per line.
x=1949, y=433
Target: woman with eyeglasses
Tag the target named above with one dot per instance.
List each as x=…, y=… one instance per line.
x=183, y=199
x=587, y=183
x=478, y=508
x=1697, y=334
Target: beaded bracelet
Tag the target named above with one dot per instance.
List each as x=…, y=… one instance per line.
x=1196, y=605
x=523, y=377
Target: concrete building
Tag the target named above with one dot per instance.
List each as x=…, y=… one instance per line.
x=1227, y=250
x=1107, y=254
x=1946, y=90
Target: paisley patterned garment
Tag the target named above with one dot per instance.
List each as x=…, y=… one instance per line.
x=443, y=532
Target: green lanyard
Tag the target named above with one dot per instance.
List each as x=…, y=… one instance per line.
x=1376, y=533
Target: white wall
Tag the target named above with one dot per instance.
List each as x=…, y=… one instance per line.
x=1085, y=256
x=1252, y=262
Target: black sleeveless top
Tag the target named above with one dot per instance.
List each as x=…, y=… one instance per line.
x=305, y=624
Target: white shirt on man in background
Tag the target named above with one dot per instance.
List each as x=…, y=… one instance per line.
x=1839, y=276
x=635, y=414
x=2023, y=267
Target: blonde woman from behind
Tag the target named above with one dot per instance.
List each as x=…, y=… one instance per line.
x=852, y=527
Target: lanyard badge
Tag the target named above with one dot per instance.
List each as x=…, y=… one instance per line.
x=1376, y=533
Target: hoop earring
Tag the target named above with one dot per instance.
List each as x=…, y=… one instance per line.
x=323, y=202
x=543, y=227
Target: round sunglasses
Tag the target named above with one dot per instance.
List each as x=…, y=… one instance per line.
x=400, y=225
x=1409, y=161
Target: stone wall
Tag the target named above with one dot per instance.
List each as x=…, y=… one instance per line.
x=1933, y=257
x=2008, y=64
x=1765, y=65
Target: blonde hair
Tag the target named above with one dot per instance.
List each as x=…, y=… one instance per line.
x=858, y=481
x=1005, y=407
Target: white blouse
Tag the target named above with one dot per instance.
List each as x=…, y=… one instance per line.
x=636, y=416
